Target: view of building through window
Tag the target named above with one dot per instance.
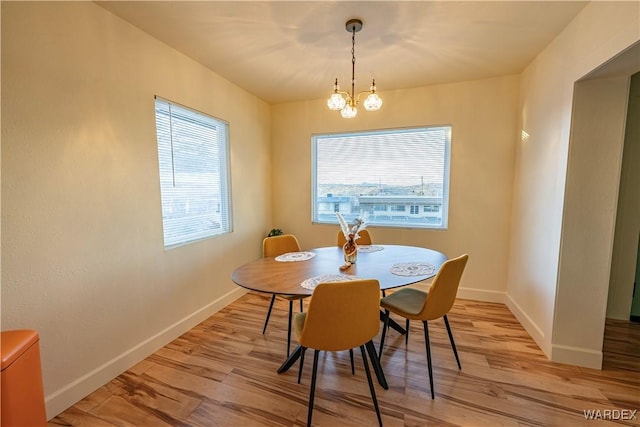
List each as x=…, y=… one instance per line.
x=396, y=177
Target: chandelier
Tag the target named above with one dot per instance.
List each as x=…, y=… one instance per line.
x=344, y=101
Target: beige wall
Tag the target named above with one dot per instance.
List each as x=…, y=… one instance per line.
x=483, y=119
x=82, y=249
x=82, y=255
x=540, y=299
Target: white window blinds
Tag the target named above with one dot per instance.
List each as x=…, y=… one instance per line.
x=397, y=178
x=194, y=174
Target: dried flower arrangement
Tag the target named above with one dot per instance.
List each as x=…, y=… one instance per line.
x=351, y=231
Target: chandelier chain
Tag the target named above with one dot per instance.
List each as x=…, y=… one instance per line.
x=353, y=62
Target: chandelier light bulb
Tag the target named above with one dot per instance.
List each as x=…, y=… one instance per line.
x=336, y=102
x=373, y=102
x=349, y=112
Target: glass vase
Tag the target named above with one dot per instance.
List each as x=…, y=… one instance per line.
x=350, y=250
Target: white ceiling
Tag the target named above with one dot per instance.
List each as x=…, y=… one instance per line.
x=285, y=51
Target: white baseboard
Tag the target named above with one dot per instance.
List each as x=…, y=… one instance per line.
x=482, y=295
x=68, y=395
x=576, y=356
x=529, y=325
x=468, y=293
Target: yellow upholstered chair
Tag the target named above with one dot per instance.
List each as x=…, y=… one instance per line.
x=414, y=304
x=272, y=247
x=365, y=238
x=340, y=316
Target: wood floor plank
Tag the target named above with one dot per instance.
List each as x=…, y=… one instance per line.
x=234, y=406
x=223, y=373
x=121, y=412
x=77, y=417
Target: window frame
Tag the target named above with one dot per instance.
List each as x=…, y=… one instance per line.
x=406, y=220
x=221, y=162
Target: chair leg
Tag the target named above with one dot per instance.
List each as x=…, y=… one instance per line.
x=302, y=350
x=406, y=336
x=301, y=306
x=353, y=368
x=384, y=332
x=312, y=392
x=371, y=388
x=428, y=345
x=289, y=328
x=453, y=343
x=273, y=299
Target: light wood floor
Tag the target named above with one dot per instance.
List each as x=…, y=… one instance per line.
x=223, y=373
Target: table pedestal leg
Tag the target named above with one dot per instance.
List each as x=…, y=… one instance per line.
x=295, y=355
x=375, y=362
x=393, y=324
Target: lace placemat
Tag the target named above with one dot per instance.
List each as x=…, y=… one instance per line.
x=369, y=248
x=295, y=256
x=312, y=282
x=412, y=269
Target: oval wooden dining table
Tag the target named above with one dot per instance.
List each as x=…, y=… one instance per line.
x=276, y=277
x=269, y=275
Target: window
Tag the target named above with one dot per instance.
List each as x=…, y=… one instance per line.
x=384, y=174
x=194, y=174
